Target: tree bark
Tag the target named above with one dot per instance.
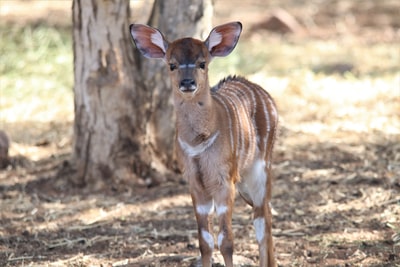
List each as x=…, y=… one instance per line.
x=124, y=123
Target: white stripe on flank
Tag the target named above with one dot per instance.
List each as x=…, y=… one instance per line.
x=205, y=209
x=243, y=124
x=251, y=125
x=265, y=109
x=259, y=226
x=267, y=116
x=222, y=102
x=242, y=109
x=238, y=122
x=208, y=238
x=251, y=102
x=232, y=112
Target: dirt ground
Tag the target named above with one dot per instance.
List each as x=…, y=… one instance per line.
x=336, y=198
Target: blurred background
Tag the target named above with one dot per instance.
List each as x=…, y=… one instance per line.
x=333, y=67
x=327, y=63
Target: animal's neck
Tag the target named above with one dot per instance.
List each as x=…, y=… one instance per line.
x=195, y=118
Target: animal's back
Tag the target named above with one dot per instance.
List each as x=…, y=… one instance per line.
x=252, y=117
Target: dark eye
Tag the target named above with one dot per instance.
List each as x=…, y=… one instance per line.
x=202, y=65
x=172, y=67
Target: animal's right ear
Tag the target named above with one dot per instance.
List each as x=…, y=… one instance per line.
x=150, y=42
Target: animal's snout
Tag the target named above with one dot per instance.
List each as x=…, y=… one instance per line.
x=187, y=85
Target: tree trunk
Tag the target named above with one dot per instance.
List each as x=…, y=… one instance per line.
x=124, y=123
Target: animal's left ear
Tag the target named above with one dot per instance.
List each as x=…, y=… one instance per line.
x=223, y=39
x=150, y=41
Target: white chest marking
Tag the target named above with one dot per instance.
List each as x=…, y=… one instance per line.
x=208, y=238
x=193, y=151
x=259, y=226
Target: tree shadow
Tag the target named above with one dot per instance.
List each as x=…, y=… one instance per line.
x=333, y=199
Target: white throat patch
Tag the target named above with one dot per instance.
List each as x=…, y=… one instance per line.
x=193, y=151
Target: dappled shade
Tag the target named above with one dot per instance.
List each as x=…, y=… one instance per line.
x=336, y=163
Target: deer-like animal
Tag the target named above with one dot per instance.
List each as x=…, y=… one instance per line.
x=224, y=136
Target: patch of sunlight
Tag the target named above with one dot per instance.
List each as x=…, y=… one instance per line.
x=371, y=197
x=34, y=153
x=351, y=235
x=78, y=260
x=315, y=103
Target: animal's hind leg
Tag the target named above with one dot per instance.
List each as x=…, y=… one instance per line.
x=259, y=189
x=262, y=222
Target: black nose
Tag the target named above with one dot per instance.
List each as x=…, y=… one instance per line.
x=188, y=85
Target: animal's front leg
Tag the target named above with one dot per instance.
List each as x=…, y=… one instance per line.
x=204, y=207
x=224, y=206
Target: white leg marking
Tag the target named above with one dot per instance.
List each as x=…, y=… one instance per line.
x=254, y=184
x=205, y=209
x=259, y=226
x=221, y=209
x=220, y=238
x=208, y=238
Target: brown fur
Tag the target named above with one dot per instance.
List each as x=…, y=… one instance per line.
x=224, y=136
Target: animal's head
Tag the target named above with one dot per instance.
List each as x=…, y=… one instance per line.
x=187, y=58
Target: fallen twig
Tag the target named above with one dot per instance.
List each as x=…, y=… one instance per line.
x=20, y=258
x=84, y=241
x=87, y=226
x=391, y=201
x=296, y=231
x=190, y=258
x=65, y=242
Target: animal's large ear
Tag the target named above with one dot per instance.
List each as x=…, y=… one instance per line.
x=150, y=42
x=223, y=39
